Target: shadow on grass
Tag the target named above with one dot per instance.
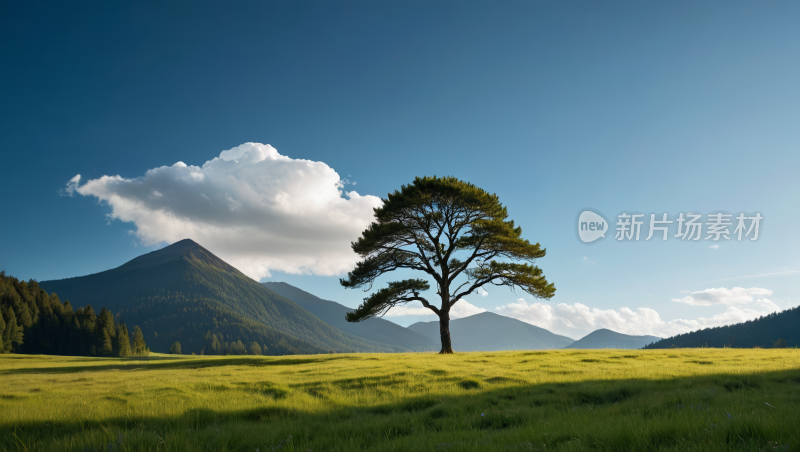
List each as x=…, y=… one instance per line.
x=178, y=363
x=515, y=406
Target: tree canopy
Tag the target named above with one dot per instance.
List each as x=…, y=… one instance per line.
x=455, y=233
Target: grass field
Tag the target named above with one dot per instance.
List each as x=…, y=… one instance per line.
x=679, y=399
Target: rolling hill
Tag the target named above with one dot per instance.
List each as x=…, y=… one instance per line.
x=604, y=338
x=184, y=293
x=491, y=332
x=374, y=329
x=764, y=332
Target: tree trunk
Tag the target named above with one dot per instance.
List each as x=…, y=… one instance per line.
x=444, y=332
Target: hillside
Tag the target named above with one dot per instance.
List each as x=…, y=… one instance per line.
x=374, y=329
x=763, y=332
x=604, y=338
x=490, y=332
x=33, y=322
x=184, y=293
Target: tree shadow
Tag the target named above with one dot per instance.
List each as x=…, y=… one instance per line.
x=177, y=363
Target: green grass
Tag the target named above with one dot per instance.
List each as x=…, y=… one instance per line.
x=614, y=400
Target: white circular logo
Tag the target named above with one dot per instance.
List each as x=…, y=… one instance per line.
x=591, y=226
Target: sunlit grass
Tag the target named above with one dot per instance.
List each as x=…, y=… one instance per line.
x=685, y=399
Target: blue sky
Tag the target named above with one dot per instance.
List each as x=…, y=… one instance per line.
x=555, y=106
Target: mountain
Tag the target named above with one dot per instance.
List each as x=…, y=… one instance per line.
x=777, y=329
x=489, y=332
x=374, y=329
x=604, y=338
x=184, y=293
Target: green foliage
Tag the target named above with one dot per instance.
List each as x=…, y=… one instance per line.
x=427, y=226
x=620, y=400
x=107, y=332
x=778, y=329
x=12, y=334
x=2, y=331
x=35, y=322
x=255, y=349
x=175, y=348
x=384, y=299
x=124, y=341
x=139, y=346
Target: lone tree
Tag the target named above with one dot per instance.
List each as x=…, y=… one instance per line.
x=423, y=227
x=139, y=347
x=255, y=349
x=123, y=340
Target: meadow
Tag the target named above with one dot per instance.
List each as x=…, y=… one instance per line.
x=570, y=400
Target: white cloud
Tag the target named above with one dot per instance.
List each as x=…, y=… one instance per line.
x=253, y=207
x=587, y=261
x=464, y=309
x=788, y=272
x=730, y=297
x=714, y=247
x=72, y=186
x=577, y=320
x=482, y=292
x=459, y=310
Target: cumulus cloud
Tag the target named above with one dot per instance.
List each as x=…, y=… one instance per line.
x=255, y=208
x=723, y=296
x=71, y=187
x=577, y=320
x=459, y=310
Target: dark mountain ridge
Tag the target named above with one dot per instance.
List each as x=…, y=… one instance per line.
x=492, y=332
x=605, y=338
x=767, y=331
x=374, y=329
x=185, y=293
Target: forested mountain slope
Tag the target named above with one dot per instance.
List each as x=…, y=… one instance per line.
x=374, y=329
x=185, y=293
x=780, y=329
x=33, y=322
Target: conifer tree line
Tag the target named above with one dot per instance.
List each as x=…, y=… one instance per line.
x=775, y=330
x=33, y=322
x=216, y=346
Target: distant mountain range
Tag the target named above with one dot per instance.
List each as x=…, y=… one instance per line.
x=490, y=332
x=376, y=330
x=604, y=338
x=481, y=332
x=778, y=329
x=184, y=293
